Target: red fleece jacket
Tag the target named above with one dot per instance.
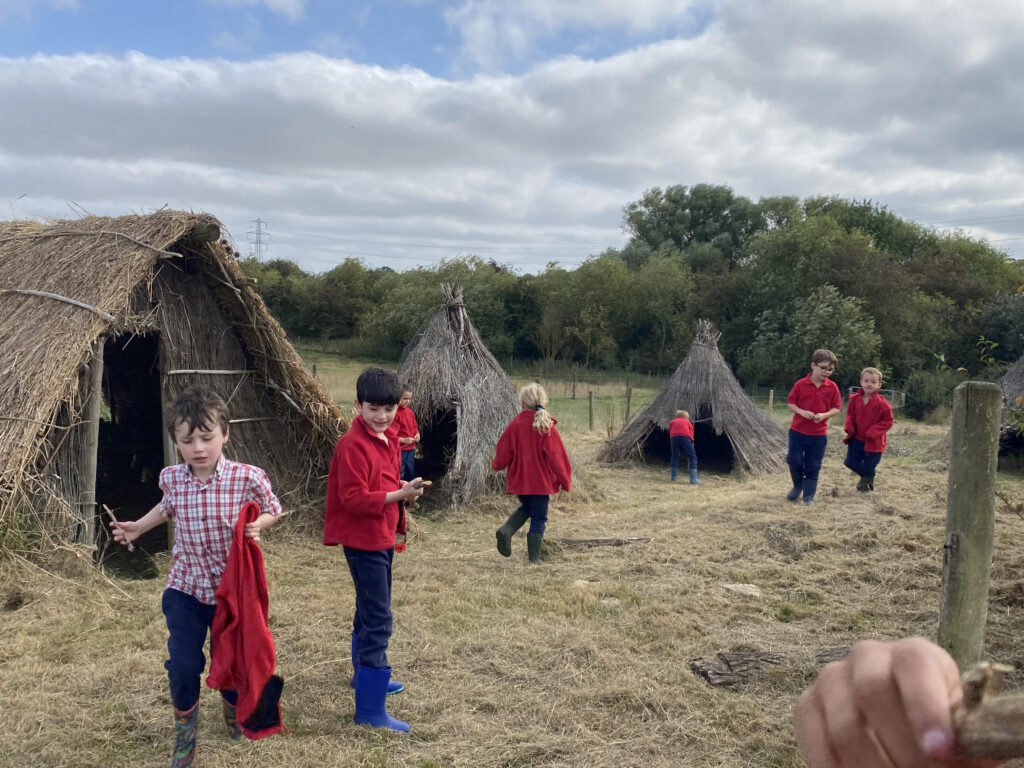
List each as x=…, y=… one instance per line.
x=869, y=421
x=243, y=655
x=537, y=463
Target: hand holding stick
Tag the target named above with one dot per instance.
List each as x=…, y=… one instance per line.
x=131, y=547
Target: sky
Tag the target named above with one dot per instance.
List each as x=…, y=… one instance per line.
x=404, y=132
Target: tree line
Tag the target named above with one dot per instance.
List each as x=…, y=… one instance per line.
x=778, y=277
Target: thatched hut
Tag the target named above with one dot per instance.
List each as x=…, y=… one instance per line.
x=463, y=400
x=1011, y=439
x=105, y=320
x=729, y=429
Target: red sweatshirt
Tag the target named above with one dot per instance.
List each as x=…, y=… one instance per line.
x=363, y=471
x=680, y=427
x=869, y=421
x=537, y=463
x=815, y=399
x=243, y=656
x=407, y=427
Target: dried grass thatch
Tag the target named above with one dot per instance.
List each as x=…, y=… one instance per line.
x=164, y=300
x=1012, y=383
x=704, y=385
x=463, y=399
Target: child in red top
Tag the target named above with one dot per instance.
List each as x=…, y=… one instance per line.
x=868, y=418
x=680, y=434
x=203, y=495
x=363, y=493
x=532, y=451
x=408, y=434
x=813, y=400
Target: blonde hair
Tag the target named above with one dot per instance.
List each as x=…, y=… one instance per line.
x=534, y=398
x=681, y=414
x=873, y=371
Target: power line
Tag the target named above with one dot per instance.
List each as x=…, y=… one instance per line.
x=256, y=238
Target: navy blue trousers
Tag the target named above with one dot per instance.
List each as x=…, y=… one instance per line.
x=537, y=508
x=371, y=575
x=408, y=465
x=188, y=622
x=682, y=444
x=860, y=461
x=804, y=458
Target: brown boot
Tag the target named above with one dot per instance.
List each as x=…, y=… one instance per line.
x=185, y=737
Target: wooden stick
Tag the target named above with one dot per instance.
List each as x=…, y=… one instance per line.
x=131, y=547
x=989, y=724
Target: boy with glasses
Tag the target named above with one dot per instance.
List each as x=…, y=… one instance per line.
x=814, y=399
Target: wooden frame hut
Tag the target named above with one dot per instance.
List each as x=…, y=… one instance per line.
x=103, y=321
x=463, y=400
x=729, y=429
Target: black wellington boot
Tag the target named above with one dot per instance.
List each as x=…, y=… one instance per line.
x=504, y=534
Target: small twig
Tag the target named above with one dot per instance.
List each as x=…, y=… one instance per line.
x=131, y=547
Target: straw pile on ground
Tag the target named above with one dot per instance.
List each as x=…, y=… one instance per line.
x=704, y=385
x=70, y=290
x=463, y=399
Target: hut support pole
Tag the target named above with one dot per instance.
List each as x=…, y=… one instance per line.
x=170, y=453
x=91, y=446
x=970, y=520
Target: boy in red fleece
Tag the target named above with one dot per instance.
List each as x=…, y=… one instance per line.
x=532, y=451
x=868, y=418
x=408, y=434
x=813, y=400
x=363, y=494
x=203, y=495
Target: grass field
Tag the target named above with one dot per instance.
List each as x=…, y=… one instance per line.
x=583, y=661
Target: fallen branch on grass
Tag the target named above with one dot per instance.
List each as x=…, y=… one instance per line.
x=603, y=542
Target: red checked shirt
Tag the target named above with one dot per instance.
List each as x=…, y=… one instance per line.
x=204, y=514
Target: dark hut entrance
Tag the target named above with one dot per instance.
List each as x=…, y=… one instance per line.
x=437, y=446
x=130, y=452
x=714, y=452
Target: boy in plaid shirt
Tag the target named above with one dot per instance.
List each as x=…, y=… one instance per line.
x=203, y=496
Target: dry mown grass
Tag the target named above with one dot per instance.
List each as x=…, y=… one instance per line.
x=583, y=661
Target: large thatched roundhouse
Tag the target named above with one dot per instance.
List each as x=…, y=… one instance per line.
x=105, y=320
x=729, y=429
x=463, y=400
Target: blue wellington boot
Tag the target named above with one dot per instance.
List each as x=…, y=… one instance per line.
x=693, y=477
x=371, y=690
x=393, y=686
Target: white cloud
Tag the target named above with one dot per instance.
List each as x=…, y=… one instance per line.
x=912, y=106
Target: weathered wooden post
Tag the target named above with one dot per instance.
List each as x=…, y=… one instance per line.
x=629, y=402
x=970, y=520
x=771, y=400
x=574, y=385
x=90, y=447
x=590, y=397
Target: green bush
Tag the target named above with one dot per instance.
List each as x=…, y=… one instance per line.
x=928, y=390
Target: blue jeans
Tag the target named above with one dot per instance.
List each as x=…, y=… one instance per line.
x=188, y=622
x=682, y=444
x=371, y=625
x=804, y=459
x=537, y=508
x=408, y=465
x=860, y=461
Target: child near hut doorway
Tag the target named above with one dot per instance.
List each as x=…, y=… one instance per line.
x=868, y=418
x=814, y=399
x=531, y=450
x=408, y=434
x=680, y=433
x=362, y=514
x=203, y=495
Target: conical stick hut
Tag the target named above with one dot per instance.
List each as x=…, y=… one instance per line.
x=103, y=321
x=729, y=429
x=463, y=399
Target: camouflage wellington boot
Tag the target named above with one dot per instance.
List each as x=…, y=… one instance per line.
x=185, y=737
x=231, y=719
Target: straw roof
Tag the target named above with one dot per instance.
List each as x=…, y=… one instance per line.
x=1012, y=383
x=704, y=385
x=451, y=371
x=68, y=287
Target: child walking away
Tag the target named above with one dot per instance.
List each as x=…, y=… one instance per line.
x=868, y=418
x=531, y=450
x=204, y=496
x=362, y=515
x=680, y=433
x=814, y=399
x=408, y=434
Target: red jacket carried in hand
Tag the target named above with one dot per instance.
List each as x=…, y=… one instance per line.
x=243, y=656
x=363, y=471
x=537, y=462
x=869, y=421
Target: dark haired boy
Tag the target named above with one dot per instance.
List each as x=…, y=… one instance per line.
x=203, y=495
x=814, y=399
x=363, y=493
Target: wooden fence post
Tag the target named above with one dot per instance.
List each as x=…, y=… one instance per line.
x=629, y=401
x=590, y=396
x=970, y=520
x=771, y=400
x=574, y=385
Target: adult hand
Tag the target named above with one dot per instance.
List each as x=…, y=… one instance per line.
x=886, y=704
